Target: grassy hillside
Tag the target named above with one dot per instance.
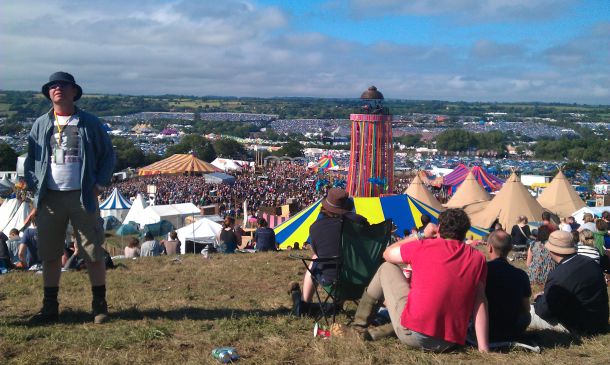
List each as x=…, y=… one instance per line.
x=176, y=312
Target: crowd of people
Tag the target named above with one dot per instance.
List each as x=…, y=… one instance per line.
x=270, y=186
x=440, y=292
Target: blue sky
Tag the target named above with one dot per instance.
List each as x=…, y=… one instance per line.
x=472, y=50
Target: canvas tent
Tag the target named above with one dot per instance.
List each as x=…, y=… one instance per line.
x=488, y=181
x=136, y=210
x=560, y=197
x=127, y=229
x=227, y=164
x=17, y=220
x=7, y=210
x=202, y=230
x=115, y=205
x=179, y=164
x=173, y=213
x=469, y=192
x=417, y=189
x=596, y=211
x=511, y=201
x=326, y=162
x=405, y=212
x=219, y=178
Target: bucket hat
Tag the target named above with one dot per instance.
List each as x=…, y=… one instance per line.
x=560, y=242
x=62, y=77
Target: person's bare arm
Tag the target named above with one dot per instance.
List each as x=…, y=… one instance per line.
x=22, y=251
x=481, y=318
x=528, y=261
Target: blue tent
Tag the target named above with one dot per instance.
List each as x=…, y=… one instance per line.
x=127, y=229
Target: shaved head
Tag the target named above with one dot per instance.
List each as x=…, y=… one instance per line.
x=501, y=242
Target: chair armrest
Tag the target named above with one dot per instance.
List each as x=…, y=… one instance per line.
x=319, y=259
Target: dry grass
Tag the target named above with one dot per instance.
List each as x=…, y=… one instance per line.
x=168, y=312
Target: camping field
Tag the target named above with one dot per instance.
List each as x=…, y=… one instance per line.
x=170, y=311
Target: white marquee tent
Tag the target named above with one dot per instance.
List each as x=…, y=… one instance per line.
x=202, y=230
x=173, y=213
x=596, y=211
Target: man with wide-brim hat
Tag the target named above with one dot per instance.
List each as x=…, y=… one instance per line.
x=62, y=78
x=325, y=239
x=70, y=159
x=575, y=297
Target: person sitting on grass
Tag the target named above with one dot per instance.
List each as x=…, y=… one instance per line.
x=227, y=238
x=325, y=237
x=133, y=248
x=264, y=237
x=5, y=255
x=586, y=245
x=446, y=289
x=150, y=246
x=13, y=243
x=171, y=246
x=539, y=261
x=508, y=291
x=575, y=296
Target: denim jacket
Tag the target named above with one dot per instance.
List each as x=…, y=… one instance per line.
x=96, y=152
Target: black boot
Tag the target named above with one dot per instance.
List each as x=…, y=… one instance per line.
x=99, y=305
x=50, y=308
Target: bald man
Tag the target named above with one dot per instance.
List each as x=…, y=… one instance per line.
x=508, y=291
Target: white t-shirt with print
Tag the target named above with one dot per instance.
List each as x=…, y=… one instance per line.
x=65, y=176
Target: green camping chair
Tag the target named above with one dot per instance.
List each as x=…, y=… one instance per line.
x=360, y=255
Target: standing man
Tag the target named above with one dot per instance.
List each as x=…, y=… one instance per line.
x=70, y=158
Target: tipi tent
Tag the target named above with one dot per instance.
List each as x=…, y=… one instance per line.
x=19, y=217
x=469, y=192
x=417, y=189
x=115, y=205
x=405, y=212
x=560, y=197
x=202, y=230
x=136, y=210
x=511, y=201
x=179, y=164
x=488, y=181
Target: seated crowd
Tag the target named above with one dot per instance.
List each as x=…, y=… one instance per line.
x=441, y=292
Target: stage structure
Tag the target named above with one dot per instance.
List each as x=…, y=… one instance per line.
x=371, y=170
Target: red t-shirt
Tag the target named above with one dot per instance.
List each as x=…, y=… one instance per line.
x=443, y=287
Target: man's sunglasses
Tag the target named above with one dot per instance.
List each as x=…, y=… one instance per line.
x=58, y=84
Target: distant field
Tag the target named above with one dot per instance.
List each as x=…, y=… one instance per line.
x=167, y=312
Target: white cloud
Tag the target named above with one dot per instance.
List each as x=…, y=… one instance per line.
x=239, y=48
x=479, y=10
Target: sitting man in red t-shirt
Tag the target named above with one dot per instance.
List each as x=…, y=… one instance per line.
x=446, y=289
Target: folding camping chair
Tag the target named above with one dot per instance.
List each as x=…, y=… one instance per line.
x=360, y=255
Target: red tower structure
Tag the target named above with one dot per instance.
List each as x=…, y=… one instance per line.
x=371, y=170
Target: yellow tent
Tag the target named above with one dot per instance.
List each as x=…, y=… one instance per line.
x=560, y=197
x=179, y=164
x=511, y=201
x=417, y=189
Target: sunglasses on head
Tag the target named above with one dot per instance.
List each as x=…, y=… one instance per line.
x=58, y=84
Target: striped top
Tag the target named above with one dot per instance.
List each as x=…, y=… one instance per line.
x=590, y=252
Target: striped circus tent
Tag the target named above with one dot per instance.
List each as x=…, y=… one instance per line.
x=179, y=164
x=115, y=205
x=326, y=162
x=404, y=210
x=488, y=181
